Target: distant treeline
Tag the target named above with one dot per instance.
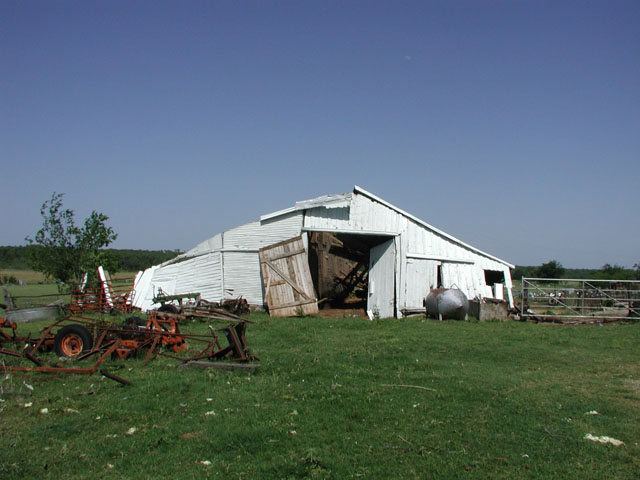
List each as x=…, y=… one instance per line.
x=607, y=272
x=17, y=258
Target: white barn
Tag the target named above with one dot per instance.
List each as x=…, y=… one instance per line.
x=406, y=256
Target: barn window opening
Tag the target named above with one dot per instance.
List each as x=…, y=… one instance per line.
x=491, y=277
x=439, y=281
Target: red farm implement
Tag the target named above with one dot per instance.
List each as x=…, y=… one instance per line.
x=109, y=295
x=158, y=334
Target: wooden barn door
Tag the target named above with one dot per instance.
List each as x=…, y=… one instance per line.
x=288, y=287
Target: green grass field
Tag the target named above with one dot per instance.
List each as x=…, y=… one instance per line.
x=345, y=398
x=27, y=276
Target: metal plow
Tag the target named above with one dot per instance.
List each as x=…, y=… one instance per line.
x=158, y=334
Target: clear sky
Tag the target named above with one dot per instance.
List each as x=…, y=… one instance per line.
x=512, y=125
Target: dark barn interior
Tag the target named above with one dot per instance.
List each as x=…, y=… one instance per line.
x=339, y=264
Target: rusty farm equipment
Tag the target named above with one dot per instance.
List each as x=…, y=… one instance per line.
x=158, y=334
x=84, y=333
x=109, y=295
x=192, y=305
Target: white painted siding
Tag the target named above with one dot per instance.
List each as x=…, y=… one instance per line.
x=372, y=216
x=198, y=275
x=256, y=235
x=363, y=214
x=327, y=218
x=425, y=242
x=206, y=277
x=242, y=277
x=141, y=287
x=210, y=245
x=421, y=274
x=460, y=266
x=419, y=278
x=164, y=278
x=381, y=295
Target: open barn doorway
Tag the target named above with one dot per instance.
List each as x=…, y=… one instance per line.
x=351, y=272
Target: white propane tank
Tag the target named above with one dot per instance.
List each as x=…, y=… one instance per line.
x=447, y=303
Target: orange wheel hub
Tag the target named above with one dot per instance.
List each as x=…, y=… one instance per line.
x=71, y=345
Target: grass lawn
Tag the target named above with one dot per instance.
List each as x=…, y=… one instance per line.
x=345, y=398
x=27, y=276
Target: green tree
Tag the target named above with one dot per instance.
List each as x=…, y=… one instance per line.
x=66, y=252
x=615, y=272
x=551, y=269
x=524, y=271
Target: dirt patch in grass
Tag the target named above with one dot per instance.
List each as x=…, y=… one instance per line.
x=342, y=313
x=193, y=435
x=635, y=386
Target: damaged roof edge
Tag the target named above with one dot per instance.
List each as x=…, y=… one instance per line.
x=362, y=191
x=326, y=201
x=181, y=258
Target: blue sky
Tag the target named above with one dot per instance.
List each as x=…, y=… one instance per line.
x=512, y=125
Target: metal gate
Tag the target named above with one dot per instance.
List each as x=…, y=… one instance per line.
x=572, y=299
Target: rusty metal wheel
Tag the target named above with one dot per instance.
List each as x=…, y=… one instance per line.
x=72, y=340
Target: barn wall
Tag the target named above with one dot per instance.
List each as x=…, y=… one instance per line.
x=363, y=214
x=141, y=288
x=210, y=245
x=256, y=235
x=328, y=218
x=241, y=264
x=461, y=267
x=373, y=216
x=418, y=275
x=202, y=274
x=207, y=277
x=242, y=277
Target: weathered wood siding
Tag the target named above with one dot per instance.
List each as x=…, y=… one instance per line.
x=286, y=279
